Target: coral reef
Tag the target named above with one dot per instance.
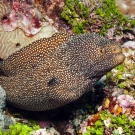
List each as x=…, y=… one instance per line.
x=12, y=41
x=116, y=115
x=23, y=16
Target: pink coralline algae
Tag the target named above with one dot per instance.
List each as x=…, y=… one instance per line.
x=120, y=104
x=125, y=100
x=127, y=103
x=25, y=16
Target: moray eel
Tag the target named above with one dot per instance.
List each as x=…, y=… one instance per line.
x=53, y=72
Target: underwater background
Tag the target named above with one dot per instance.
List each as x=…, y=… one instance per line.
x=108, y=108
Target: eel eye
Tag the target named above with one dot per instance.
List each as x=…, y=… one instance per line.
x=101, y=51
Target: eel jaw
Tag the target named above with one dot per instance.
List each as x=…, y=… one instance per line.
x=112, y=61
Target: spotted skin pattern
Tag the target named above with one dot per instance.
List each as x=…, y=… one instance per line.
x=53, y=72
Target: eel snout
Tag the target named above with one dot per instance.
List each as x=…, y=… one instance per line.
x=117, y=54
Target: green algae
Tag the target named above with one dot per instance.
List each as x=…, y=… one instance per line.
x=20, y=129
x=76, y=14
x=111, y=16
x=115, y=124
x=84, y=17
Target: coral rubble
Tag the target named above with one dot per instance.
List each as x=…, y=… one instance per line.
x=127, y=7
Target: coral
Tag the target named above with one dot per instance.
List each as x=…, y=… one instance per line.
x=76, y=14
x=23, y=16
x=29, y=128
x=123, y=7
x=53, y=9
x=12, y=41
x=120, y=104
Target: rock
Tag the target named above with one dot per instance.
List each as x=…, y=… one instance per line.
x=5, y=121
x=2, y=98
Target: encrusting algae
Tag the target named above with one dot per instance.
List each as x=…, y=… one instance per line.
x=52, y=72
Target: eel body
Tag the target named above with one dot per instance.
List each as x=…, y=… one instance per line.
x=53, y=72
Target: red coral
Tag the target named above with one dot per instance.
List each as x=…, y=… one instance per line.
x=25, y=16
